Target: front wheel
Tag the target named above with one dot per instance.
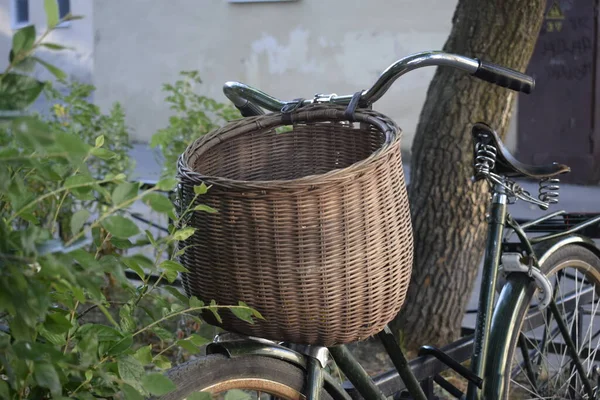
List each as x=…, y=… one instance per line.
x=540, y=363
x=258, y=377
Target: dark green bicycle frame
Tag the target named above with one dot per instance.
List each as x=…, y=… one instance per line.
x=496, y=323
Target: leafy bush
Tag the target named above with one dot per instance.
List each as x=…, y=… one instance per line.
x=62, y=333
x=73, y=113
x=195, y=115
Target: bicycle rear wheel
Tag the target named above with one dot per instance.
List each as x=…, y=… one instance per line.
x=256, y=376
x=540, y=362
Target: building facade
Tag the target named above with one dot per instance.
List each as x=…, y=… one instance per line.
x=288, y=48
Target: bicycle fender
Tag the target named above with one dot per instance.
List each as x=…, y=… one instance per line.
x=239, y=347
x=517, y=288
x=545, y=249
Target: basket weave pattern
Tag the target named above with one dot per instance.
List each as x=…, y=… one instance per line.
x=313, y=226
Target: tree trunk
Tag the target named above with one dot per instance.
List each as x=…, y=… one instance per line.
x=448, y=210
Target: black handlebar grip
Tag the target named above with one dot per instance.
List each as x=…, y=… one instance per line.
x=505, y=77
x=250, y=109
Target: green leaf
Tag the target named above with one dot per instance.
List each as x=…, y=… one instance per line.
x=120, y=346
x=171, y=276
x=130, y=370
x=103, y=154
x=5, y=340
x=162, y=362
x=88, y=348
x=51, y=8
x=71, y=17
x=120, y=227
x=4, y=390
x=27, y=216
x=80, y=185
x=54, y=46
x=133, y=265
x=127, y=323
x=78, y=220
x=158, y=202
x=31, y=131
x=166, y=184
x=104, y=333
x=100, y=141
x=184, y=233
x=150, y=237
x=57, y=339
x=57, y=323
x=188, y=346
x=177, y=294
x=46, y=376
x=131, y=393
x=54, y=70
x=20, y=329
x=158, y=384
x=215, y=311
x=125, y=191
x=26, y=64
x=18, y=91
x=143, y=261
x=236, y=394
x=204, y=207
x=199, y=340
x=23, y=39
x=171, y=265
x=144, y=354
x=80, y=181
x=73, y=145
x=122, y=244
x=245, y=314
x=202, y=189
x=194, y=302
x=163, y=333
x=199, y=396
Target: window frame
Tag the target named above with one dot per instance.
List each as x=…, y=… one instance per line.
x=14, y=13
x=64, y=24
x=260, y=1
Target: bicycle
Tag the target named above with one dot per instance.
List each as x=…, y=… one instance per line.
x=548, y=287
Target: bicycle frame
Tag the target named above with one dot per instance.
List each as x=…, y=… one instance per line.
x=493, y=323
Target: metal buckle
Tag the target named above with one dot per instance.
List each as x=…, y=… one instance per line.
x=323, y=98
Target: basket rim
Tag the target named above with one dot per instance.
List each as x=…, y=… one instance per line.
x=323, y=113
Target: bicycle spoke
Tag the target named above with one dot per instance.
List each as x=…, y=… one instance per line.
x=571, y=347
x=561, y=368
x=591, y=358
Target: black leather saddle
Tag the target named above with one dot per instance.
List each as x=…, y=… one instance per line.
x=507, y=164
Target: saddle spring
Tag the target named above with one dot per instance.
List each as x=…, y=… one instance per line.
x=485, y=159
x=549, y=190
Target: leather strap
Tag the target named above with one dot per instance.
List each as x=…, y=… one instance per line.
x=352, y=106
x=286, y=110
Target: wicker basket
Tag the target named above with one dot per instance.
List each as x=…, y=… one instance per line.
x=313, y=226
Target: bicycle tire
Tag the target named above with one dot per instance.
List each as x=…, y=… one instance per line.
x=217, y=373
x=519, y=380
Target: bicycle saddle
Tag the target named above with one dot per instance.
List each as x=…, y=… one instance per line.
x=507, y=164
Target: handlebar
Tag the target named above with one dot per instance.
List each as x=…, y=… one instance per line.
x=248, y=99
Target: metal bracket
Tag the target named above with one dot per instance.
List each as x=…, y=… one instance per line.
x=323, y=98
x=319, y=353
x=513, y=262
x=234, y=345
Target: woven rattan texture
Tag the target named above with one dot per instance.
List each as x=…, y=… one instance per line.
x=313, y=225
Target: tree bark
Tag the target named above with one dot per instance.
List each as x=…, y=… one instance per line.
x=448, y=209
